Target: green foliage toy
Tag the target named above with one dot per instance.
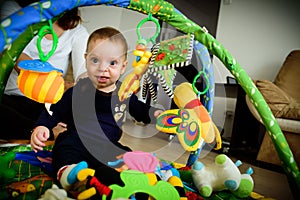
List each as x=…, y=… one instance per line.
x=6, y=173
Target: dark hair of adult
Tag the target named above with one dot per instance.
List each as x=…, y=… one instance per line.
x=70, y=19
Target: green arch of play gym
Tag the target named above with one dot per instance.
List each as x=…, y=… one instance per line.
x=13, y=40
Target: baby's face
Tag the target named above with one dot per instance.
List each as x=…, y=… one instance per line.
x=105, y=62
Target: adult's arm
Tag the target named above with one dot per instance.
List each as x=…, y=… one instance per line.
x=22, y=56
x=79, y=44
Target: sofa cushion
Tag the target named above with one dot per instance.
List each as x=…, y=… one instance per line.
x=281, y=104
x=267, y=151
x=288, y=76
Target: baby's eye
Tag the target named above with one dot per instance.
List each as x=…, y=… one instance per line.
x=94, y=60
x=113, y=62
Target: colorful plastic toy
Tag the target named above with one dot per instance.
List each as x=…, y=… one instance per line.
x=136, y=182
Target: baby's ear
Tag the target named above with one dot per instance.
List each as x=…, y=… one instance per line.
x=124, y=66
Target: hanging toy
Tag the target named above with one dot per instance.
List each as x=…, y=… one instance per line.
x=38, y=79
x=167, y=55
x=131, y=82
x=191, y=122
x=159, y=63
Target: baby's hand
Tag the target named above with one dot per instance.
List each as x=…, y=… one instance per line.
x=38, y=138
x=157, y=113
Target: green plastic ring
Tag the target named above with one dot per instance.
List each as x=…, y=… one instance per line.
x=195, y=80
x=152, y=19
x=42, y=32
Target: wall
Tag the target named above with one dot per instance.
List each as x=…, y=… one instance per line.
x=258, y=34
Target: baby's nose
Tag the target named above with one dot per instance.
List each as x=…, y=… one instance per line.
x=103, y=67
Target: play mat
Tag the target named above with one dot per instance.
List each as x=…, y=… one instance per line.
x=25, y=175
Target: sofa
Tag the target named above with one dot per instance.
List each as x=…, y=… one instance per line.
x=283, y=97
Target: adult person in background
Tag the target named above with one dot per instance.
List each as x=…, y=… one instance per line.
x=17, y=112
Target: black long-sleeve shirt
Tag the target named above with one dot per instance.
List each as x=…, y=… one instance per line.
x=89, y=111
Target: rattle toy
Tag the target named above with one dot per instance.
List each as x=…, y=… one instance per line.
x=38, y=79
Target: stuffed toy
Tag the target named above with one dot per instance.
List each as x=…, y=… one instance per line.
x=191, y=122
x=55, y=193
x=222, y=175
x=6, y=173
x=40, y=81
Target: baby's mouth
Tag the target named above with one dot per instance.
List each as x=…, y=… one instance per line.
x=102, y=79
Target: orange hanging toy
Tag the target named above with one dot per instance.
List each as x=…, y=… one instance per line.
x=38, y=79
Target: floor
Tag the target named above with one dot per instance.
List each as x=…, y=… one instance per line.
x=267, y=183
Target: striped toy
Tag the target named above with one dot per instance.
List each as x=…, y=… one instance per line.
x=40, y=82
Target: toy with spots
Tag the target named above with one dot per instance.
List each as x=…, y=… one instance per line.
x=222, y=175
x=191, y=122
x=5, y=172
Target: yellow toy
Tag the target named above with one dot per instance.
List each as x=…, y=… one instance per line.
x=39, y=81
x=191, y=122
x=132, y=82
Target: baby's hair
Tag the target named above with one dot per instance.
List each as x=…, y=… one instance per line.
x=111, y=34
